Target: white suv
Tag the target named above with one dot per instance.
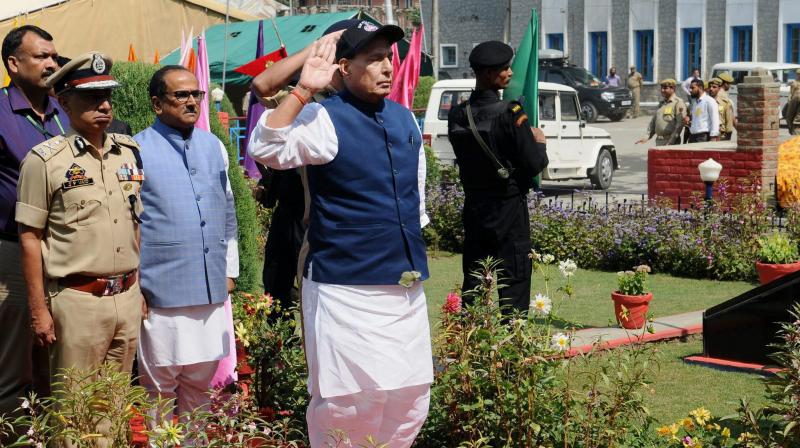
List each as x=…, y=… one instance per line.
x=575, y=151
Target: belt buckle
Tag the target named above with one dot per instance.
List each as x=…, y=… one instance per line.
x=113, y=285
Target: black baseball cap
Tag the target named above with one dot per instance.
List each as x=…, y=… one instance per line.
x=359, y=36
x=341, y=25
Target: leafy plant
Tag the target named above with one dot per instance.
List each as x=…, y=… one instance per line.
x=777, y=248
x=633, y=283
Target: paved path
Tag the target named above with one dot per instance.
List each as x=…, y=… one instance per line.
x=669, y=327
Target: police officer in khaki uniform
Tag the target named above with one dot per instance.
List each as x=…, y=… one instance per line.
x=635, y=82
x=793, y=107
x=726, y=124
x=667, y=122
x=727, y=80
x=78, y=213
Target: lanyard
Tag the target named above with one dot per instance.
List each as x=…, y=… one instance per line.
x=38, y=126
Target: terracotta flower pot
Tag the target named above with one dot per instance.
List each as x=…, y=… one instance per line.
x=636, y=307
x=768, y=272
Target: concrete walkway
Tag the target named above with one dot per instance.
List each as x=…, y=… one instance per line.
x=668, y=327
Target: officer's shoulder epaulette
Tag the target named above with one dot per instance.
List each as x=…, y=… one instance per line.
x=518, y=113
x=125, y=140
x=47, y=149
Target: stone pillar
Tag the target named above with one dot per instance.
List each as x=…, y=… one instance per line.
x=758, y=105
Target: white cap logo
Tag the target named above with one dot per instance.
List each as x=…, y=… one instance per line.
x=368, y=26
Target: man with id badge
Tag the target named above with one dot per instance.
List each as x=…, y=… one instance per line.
x=28, y=117
x=78, y=212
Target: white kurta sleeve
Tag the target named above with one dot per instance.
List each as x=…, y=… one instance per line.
x=309, y=140
x=231, y=229
x=422, y=171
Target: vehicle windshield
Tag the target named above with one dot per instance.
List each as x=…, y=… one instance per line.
x=582, y=76
x=784, y=75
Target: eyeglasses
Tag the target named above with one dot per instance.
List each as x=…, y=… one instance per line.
x=182, y=96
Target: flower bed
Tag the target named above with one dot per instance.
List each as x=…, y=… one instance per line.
x=717, y=241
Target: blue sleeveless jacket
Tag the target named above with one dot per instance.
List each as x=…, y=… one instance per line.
x=185, y=223
x=365, y=223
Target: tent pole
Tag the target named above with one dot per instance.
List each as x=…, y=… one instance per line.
x=225, y=43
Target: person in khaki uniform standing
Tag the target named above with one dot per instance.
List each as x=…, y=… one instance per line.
x=667, y=123
x=726, y=124
x=635, y=81
x=78, y=213
x=793, y=108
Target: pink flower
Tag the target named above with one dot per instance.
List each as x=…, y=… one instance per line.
x=453, y=304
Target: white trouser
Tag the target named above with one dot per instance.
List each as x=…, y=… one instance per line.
x=391, y=417
x=188, y=385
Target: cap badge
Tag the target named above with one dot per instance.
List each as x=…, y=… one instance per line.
x=98, y=64
x=368, y=27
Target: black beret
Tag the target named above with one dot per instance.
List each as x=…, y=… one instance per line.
x=490, y=54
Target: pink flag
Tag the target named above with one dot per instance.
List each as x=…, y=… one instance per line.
x=203, y=76
x=405, y=84
x=395, y=61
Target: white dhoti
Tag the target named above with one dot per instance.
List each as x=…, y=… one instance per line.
x=179, y=349
x=370, y=364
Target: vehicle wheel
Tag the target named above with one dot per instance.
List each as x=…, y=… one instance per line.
x=617, y=116
x=603, y=171
x=589, y=112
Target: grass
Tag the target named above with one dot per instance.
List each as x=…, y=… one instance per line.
x=677, y=387
x=592, y=306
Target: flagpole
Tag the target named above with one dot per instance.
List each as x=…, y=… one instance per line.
x=277, y=33
x=225, y=43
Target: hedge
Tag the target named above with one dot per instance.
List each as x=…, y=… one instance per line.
x=132, y=105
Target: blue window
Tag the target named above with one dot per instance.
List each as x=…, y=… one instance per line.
x=692, y=50
x=555, y=41
x=598, y=57
x=644, y=53
x=793, y=43
x=742, y=43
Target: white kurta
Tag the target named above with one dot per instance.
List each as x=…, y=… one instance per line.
x=190, y=334
x=705, y=116
x=362, y=337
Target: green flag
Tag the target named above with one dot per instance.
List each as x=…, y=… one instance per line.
x=524, y=85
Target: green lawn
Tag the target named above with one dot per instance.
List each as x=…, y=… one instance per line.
x=591, y=305
x=677, y=387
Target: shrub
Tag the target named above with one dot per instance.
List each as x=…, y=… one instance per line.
x=777, y=248
x=501, y=381
x=132, y=105
x=423, y=92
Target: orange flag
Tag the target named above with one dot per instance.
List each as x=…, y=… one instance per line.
x=156, y=59
x=192, y=62
x=131, y=54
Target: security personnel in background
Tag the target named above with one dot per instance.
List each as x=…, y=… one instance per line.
x=794, y=86
x=498, y=154
x=78, y=212
x=635, y=81
x=726, y=124
x=667, y=123
x=793, y=108
x=727, y=80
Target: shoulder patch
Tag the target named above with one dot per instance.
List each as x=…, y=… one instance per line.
x=516, y=108
x=47, y=149
x=124, y=140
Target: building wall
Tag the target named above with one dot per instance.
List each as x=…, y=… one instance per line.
x=466, y=22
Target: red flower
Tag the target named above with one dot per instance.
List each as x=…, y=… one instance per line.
x=453, y=304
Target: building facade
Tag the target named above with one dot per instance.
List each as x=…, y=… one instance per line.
x=663, y=38
x=405, y=12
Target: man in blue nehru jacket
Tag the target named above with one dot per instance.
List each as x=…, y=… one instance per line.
x=366, y=326
x=189, y=249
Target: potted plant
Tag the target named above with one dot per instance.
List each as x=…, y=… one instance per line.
x=631, y=299
x=777, y=256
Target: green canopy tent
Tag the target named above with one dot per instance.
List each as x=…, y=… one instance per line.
x=296, y=31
